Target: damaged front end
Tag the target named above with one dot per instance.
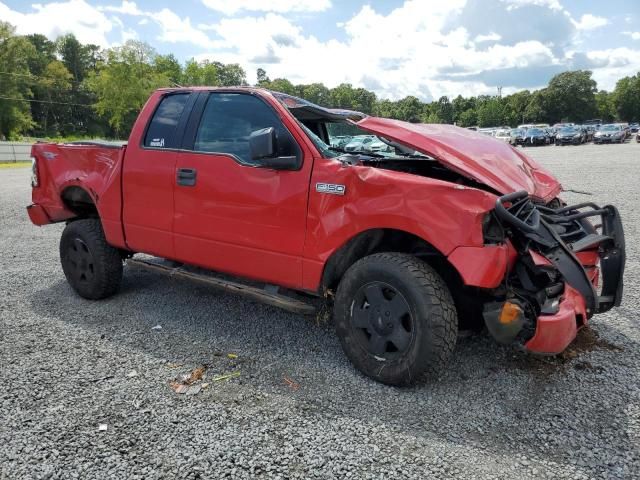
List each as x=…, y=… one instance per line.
x=567, y=270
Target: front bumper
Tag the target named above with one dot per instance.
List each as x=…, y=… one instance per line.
x=562, y=258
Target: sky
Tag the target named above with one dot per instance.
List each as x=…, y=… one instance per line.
x=395, y=48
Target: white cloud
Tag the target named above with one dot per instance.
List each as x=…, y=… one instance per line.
x=280, y=6
x=491, y=37
x=553, y=4
x=176, y=29
x=86, y=22
x=126, y=8
x=633, y=35
x=590, y=22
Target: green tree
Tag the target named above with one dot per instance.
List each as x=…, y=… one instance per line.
x=123, y=83
x=444, y=110
x=409, y=109
x=282, y=85
x=515, y=106
x=168, y=66
x=626, y=98
x=468, y=118
x=536, y=109
x=605, y=106
x=571, y=96
x=261, y=77
x=55, y=89
x=315, y=92
x=490, y=113
x=15, y=112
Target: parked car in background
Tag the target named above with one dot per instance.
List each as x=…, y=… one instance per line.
x=551, y=132
x=590, y=131
x=517, y=136
x=378, y=146
x=340, y=141
x=359, y=143
x=504, y=135
x=570, y=136
x=634, y=127
x=487, y=131
x=534, y=137
x=609, y=133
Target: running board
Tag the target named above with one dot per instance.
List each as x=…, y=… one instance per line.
x=275, y=299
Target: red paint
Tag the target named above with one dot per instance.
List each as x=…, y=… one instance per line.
x=483, y=266
x=555, y=332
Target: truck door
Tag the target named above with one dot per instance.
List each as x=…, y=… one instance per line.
x=232, y=214
x=148, y=176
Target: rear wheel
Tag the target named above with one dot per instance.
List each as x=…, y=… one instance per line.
x=93, y=267
x=395, y=318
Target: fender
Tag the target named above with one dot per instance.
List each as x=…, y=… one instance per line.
x=375, y=198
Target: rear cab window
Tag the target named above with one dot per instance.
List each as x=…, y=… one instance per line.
x=161, y=132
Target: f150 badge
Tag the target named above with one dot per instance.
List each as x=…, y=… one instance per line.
x=331, y=188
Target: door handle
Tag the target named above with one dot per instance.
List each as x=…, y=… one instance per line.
x=186, y=177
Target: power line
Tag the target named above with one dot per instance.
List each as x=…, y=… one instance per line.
x=33, y=100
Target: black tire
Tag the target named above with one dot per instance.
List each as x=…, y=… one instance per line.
x=396, y=349
x=93, y=267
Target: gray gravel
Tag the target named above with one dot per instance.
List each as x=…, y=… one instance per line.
x=66, y=368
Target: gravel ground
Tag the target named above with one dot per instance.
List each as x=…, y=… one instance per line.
x=69, y=366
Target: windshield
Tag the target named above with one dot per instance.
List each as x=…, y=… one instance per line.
x=609, y=128
x=516, y=132
x=569, y=130
x=534, y=131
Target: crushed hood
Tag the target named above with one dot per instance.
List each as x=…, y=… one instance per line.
x=479, y=157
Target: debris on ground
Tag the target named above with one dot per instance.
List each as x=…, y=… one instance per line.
x=225, y=377
x=132, y=374
x=157, y=327
x=232, y=356
x=102, y=427
x=293, y=385
x=186, y=383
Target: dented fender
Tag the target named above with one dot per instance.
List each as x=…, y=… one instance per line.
x=444, y=214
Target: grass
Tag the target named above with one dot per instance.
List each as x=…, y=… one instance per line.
x=14, y=164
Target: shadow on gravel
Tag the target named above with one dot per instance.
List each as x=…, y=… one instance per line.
x=491, y=397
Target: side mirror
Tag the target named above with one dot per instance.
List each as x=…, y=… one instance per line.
x=263, y=147
x=262, y=143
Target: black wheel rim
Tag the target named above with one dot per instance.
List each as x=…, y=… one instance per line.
x=382, y=320
x=80, y=261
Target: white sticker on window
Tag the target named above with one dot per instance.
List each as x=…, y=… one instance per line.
x=157, y=142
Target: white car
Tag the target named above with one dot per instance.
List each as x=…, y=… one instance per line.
x=504, y=135
x=378, y=146
x=359, y=143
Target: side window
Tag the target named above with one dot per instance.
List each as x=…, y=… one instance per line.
x=228, y=120
x=162, y=128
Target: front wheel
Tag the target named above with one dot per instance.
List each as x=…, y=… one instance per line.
x=395, y=318
x=93, y=267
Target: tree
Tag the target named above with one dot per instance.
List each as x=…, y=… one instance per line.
x=55, y=87
x=444, y=110
x=409, y=109
x=123, y=83
x=281, y=85
x=515, y=106
x=626, y=98
x=605, y=106
x=536, y=110
x=168, y=66
x=15, y=52
x=468, y=118
x=490, y=113
x=571, y=96
x=261, y=77
x=316, y=93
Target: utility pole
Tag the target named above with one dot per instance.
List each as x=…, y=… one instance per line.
x=499, y=92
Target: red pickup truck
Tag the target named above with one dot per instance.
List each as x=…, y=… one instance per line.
x=408, y=232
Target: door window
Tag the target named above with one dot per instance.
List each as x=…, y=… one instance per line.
x=228, y=120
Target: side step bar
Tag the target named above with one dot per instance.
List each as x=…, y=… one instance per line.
x=261, y=295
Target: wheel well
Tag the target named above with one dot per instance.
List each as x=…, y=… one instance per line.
x=375, y=241
x=78, y=200
x=468, y=300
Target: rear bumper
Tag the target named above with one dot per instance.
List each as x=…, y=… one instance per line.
x=38, y=215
